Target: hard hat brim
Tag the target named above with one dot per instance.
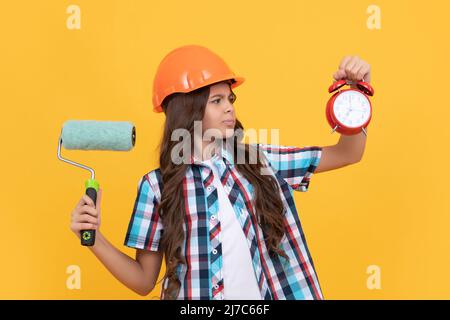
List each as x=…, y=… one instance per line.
x=238, y=82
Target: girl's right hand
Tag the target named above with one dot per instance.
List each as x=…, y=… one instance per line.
x=85, y=216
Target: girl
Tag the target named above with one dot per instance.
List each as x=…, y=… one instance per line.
x=228, y=228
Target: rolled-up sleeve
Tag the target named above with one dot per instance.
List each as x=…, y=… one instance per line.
x=296, y=165
x=145, y=227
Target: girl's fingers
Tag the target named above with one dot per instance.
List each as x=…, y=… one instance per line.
x=85, y=218
x=349, y=67
x=80, y=203
x=340, y=74
x=85, y=226
x=352, y=68
x=85, y=200
x=88, y=200
x=90, y=210
x=99, y=197
x=344, y=62
x=363, y=71
x=355, y=70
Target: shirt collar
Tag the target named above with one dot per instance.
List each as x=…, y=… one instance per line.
x=225, y=153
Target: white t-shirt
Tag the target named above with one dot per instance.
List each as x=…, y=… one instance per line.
x=239, y=276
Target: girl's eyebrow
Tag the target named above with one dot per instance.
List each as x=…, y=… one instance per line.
x=220, y=95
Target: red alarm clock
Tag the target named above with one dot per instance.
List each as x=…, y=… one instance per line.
x=349, y=111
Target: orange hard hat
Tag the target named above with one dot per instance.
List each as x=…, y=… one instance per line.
x=188, y=68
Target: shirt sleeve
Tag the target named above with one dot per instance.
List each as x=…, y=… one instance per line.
x=294, y=164
x=145, y=227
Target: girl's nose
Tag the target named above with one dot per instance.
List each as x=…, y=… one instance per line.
x=229, y=107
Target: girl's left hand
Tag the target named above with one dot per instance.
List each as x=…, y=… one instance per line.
x=353, y=68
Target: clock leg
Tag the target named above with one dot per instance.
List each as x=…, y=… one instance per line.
x=334, y=129
x=364, y=130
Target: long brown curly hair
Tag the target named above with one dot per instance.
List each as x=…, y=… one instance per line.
x=181, y=110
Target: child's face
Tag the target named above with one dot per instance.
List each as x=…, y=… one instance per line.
x=219, y=111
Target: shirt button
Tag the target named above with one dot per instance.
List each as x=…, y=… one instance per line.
x=216, y=286
x=213, y=217
x=208, y=188
x=214, y=251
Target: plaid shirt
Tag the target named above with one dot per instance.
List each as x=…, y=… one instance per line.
x=277, y=278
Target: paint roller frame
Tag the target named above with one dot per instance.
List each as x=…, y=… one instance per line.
x=87, y=237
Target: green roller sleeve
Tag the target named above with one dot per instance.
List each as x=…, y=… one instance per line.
x=98, y=135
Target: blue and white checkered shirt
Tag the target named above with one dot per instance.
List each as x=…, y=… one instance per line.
x=202, y=279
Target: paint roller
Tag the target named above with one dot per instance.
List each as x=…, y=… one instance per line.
x=95, y=135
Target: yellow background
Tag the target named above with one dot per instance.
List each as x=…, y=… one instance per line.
x=390, y=210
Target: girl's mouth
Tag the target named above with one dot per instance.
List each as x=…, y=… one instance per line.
x=228, y=122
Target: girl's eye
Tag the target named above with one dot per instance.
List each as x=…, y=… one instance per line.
x=232, y=99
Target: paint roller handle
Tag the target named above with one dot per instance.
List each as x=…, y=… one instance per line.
x=88, y=236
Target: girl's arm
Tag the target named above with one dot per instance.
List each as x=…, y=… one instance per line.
x=349, y=149
x=139, y=275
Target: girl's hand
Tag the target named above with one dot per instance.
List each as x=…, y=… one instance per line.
x=354, y=69
x=85, y=216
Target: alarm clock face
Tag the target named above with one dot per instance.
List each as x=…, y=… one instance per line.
x=351, y=108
